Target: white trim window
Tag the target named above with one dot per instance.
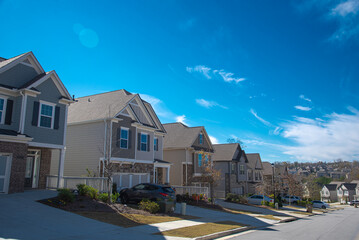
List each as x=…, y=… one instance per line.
x=155, y=144
x=46, y=115
x=144, y=142
x=241, y=169
x=2, y=109
x=124, y=138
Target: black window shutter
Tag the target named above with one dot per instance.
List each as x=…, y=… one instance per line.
x=35, y=113
x=118, y=140
x=57, y=117
x=139, y=141
x=148, y=143
x=8, y=115
x=129, y=139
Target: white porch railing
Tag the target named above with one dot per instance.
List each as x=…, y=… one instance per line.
x=99, y=183
x=191, y=190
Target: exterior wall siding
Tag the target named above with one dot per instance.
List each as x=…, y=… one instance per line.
x=84, y=148
x=176, y=157
x=49, y=93
x=145, y=155
x=18, y=75
x=15, y=120
x=159, y=153
x=117, y=151
x=136, y=168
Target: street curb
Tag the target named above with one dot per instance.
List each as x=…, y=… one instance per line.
x=289, y=220
x=224, y=233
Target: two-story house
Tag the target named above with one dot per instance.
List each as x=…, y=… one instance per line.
x=118, y=127
x=33, y=114
x=254, y=171
x=346, y=192
x=231, y=161
x=188, y=149
x=329, y=193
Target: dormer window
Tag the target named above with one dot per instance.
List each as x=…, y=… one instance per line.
x=46, y=115
x=200, y=138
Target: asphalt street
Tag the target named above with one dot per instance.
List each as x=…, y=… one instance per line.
x=338, y=225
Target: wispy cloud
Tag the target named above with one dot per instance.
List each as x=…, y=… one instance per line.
x=344, y=13
x=254, y=113
x=303, y=108
x=304, y=98
x=209, y=104
x=181, y=119
x=335, y=136
x=213, y=140
x=210, y=73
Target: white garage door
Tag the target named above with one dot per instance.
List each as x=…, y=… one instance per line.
x=126, y=180
x=5, y=165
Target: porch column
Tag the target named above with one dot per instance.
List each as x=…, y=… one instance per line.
x=61, y=168
x=168, y=175
x=154, y=173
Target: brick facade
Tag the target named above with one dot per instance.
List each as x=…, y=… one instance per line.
x=18, y=164
x=45, y=163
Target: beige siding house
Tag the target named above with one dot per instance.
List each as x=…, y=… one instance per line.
x=186, y=149
x=231, y=161
x=118, y=127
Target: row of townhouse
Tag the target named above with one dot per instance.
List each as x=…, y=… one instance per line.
x=340, y=192
x=40, y=122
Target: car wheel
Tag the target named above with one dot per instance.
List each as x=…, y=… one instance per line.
x=124, y=199
x=323, y=207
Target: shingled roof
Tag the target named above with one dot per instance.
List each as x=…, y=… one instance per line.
x=267, y=168
x=252, y=160
x=180, y=135
x=224, y=152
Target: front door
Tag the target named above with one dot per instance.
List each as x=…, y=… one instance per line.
x=30, y=160
x=5, y=166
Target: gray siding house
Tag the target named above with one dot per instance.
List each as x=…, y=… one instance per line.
x=231, y=161
x=254, y=172
x=33, y=115
x=188, y=149
x=119, y=127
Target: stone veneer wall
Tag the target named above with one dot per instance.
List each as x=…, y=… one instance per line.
x=18, y=164
x=136, y=168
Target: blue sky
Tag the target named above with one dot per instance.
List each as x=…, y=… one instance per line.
x=282, y=76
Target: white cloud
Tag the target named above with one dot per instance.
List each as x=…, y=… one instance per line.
x=201, y=69
x=209, y=104
x=209, y=73
x=303, y=108
x=344, y=13
x=305, y=98
x=336, y=136
x=345, y=8
x=181, y=119
x=259, y=118
x=213, y=140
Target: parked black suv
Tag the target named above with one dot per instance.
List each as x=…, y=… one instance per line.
x=153, y=192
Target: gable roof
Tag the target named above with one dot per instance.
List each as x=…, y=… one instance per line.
x=225, y=152
x=8, y=63
x=106, y=105
x=267, y=168
x=349, y=186
x=331, y=187
x=253, y=158
x=182, y=136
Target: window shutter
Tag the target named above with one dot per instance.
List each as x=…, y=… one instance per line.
x=57, y=117
x=35, y=113
x=139, y=141
x=118, y=140
x=148, y=143
x=129, y=138
x=8, y=115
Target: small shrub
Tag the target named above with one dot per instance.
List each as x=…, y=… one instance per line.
x=92, y=192
x=271, y=205
x=149, y=206
x=65, y=195
x=114, y=197
x=103, y=197
x=82, y=189
x=114, y=188
x=179, y=198
x=210, y=200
